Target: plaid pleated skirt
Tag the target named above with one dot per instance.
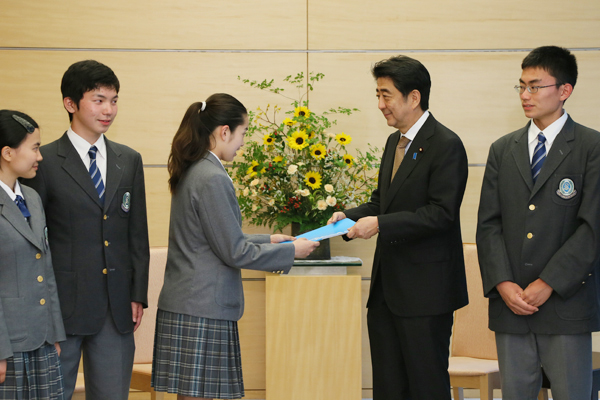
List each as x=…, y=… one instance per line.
x=197, y=357
x=33, y=375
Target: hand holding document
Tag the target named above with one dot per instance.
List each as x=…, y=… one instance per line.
x=328, y=231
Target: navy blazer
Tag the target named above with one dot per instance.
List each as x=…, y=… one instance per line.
x=527, y=231
x=29, y=309
x=419, y=255
x=100, y=252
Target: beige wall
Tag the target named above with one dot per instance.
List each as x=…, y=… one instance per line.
x=169, y=54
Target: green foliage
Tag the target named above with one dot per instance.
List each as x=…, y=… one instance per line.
x=296, y=170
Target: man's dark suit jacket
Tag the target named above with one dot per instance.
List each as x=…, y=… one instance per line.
x=100, y=253
x=527, y=231
x=419, y=256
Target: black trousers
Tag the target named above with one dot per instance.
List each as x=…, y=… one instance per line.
x=409, y=355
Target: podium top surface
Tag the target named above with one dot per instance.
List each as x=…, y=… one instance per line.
x=338, y=261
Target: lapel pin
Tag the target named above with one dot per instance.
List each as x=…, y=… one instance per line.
x=420, y=149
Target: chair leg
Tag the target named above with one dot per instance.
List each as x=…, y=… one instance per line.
x=486, y=391
x=156, y=395
x=457, y=393
x=543, y=395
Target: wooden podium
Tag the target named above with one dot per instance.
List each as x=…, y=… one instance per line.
x=313, y=335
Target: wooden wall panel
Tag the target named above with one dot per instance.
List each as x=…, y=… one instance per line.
x=472, y=94
x=440, y=24
x=154, y=24
x=158, y=203
x=156, y=89
x=470, y=204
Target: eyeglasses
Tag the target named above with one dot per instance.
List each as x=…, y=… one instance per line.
x=532, y=89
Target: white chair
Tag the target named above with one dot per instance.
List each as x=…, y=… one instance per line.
x=473, y=360
x=144, y=336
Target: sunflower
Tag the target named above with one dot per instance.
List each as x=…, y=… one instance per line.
x=268, y=140
x=318, y=151
x=298, y=140
x=301, y=112
x=313, y=179
x=348, y=160
x=278, y=159
x=343, y=139
x=253, y=170
x=289, y=122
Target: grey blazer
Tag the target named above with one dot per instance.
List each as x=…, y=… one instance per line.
x=527, y=231
x=207, y=248
x=29, y=310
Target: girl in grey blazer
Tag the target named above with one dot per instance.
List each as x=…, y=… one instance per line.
x=30, y=319
x=197, y=351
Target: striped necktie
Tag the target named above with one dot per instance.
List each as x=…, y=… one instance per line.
x=95, y=174
x=20, y=202
x=539, y=156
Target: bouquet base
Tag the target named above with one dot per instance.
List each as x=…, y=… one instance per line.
x=323, y=252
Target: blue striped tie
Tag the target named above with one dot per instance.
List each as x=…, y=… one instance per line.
x=95, y=174
x=539, y=156
x=20, y=202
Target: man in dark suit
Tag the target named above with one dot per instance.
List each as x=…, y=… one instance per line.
x=537, y=237
x=418, y=277
x=94, y=197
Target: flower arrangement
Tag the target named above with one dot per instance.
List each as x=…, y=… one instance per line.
x=297, y=169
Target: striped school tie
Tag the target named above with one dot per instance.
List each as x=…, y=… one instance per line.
x=95, y=174
x=539, y=156
x=20, y=202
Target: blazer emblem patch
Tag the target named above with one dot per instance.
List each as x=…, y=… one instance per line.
x=126, y=204
x=566, y=189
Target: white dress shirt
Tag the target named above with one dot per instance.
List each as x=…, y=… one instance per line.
x=551, y=132
x=412, y=132
x=9, y=191
x=83, y=147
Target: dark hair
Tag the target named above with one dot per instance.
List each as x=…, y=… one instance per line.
x=407, y=74
x=12, y=132
x=192, y=140
x=84, y=76
x=557, y=61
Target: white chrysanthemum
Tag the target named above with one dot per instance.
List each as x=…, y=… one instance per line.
x=328, y=188
x=321, y=205
x=305, y=192
x=246, y=191
x=254, y=193
x=254, y=182
x=300, y=164
x=331, y=201
x=292, y=169
x=254, y=207
x=272, y=202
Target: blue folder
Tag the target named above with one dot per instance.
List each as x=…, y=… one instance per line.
x=328, y=231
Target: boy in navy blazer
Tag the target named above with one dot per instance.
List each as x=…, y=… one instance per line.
x=537, y=237
x=94, y=197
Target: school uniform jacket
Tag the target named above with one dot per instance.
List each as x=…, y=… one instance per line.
x=207, y=248
x=548, y=230
x=29, y=309
x=100, y=252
